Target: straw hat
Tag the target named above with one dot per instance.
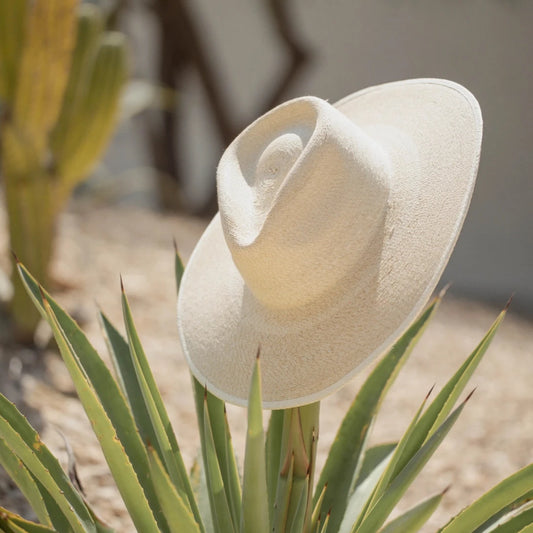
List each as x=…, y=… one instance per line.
x=335, y=224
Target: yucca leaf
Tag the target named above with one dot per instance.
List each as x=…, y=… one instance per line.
x=219, y=429
x=177, y=510
x=106, y=408
x=507, y=512
x=297, y=456
x=414, y=518
x=315, y=516
x=119, y=463
x=506, y=492
x=119, y=352
x=295, y=449
x=199, y=486
x=273, y=455
x=447, y=397
x=325, y=526
x=158, y=426
x=222, y=443
x=391, y=471
x=296, y=521
x=230, y=471
x=128, y=377
x=101, y=526
x=517, y=521
x=373, y=456
x=283, y=497
x=178, y=268
x=346, y=454
x=134, y=386
x=254, y=515
x=309, y=416
x=25, y=482
x=375, y=462
x=11, y=522
x=378, y=514
x=57, y=517
x=26, y=444
x=220, y=509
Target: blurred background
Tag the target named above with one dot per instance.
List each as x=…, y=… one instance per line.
x=171, y=83
x=229, y=61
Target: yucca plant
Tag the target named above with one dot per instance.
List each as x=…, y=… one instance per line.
x=61, y=76
x=357, y=490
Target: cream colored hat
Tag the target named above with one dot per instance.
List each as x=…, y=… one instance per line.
x=335, y=224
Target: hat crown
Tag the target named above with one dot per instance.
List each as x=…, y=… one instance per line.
x=302, y=193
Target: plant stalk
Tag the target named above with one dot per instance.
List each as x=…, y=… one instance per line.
x=297, y=467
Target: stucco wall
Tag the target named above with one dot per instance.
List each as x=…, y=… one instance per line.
x=485, y=45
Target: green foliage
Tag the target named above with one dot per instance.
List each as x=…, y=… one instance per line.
x=357, y=489
x=61, y=76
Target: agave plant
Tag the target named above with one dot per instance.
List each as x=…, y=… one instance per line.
x=357, y=489
x=61, y=77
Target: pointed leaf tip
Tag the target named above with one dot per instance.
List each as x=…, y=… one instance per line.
x=469, y=395
x=508, y=304
x=15, y=257
x=444, y=290
x=121, y=283
x=43, y=295
x=430, y=391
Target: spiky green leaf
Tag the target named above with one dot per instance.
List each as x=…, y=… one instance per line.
x=273, y=455
x=178, y=268
x=25, y=481
x=157, y=426
x=346, y=453
x=199, y=485
x=254, y=515
x=22, y=440
x=177, y=510
x=516, y=521
x=375, y=462
x=13, y=523
x=391, y=471
x=222, y=443
x=506, y=492
x=283, y=497
x=218, y=497
x=378, y=514
x=107, y=410
x=414, y=518
x=441, y=406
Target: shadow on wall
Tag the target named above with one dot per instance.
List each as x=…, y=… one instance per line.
x=485, y=45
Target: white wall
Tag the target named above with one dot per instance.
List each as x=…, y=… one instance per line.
x=485, y=45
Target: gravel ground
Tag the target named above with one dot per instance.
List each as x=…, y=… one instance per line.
x=493, y=437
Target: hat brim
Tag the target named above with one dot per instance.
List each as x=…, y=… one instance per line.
x=432, y=131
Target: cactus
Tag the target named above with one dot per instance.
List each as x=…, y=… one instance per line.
x=61, y=77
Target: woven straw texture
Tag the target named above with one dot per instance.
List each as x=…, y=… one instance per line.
x=335, y=225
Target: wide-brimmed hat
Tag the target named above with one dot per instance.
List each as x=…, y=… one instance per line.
x=335, y=224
